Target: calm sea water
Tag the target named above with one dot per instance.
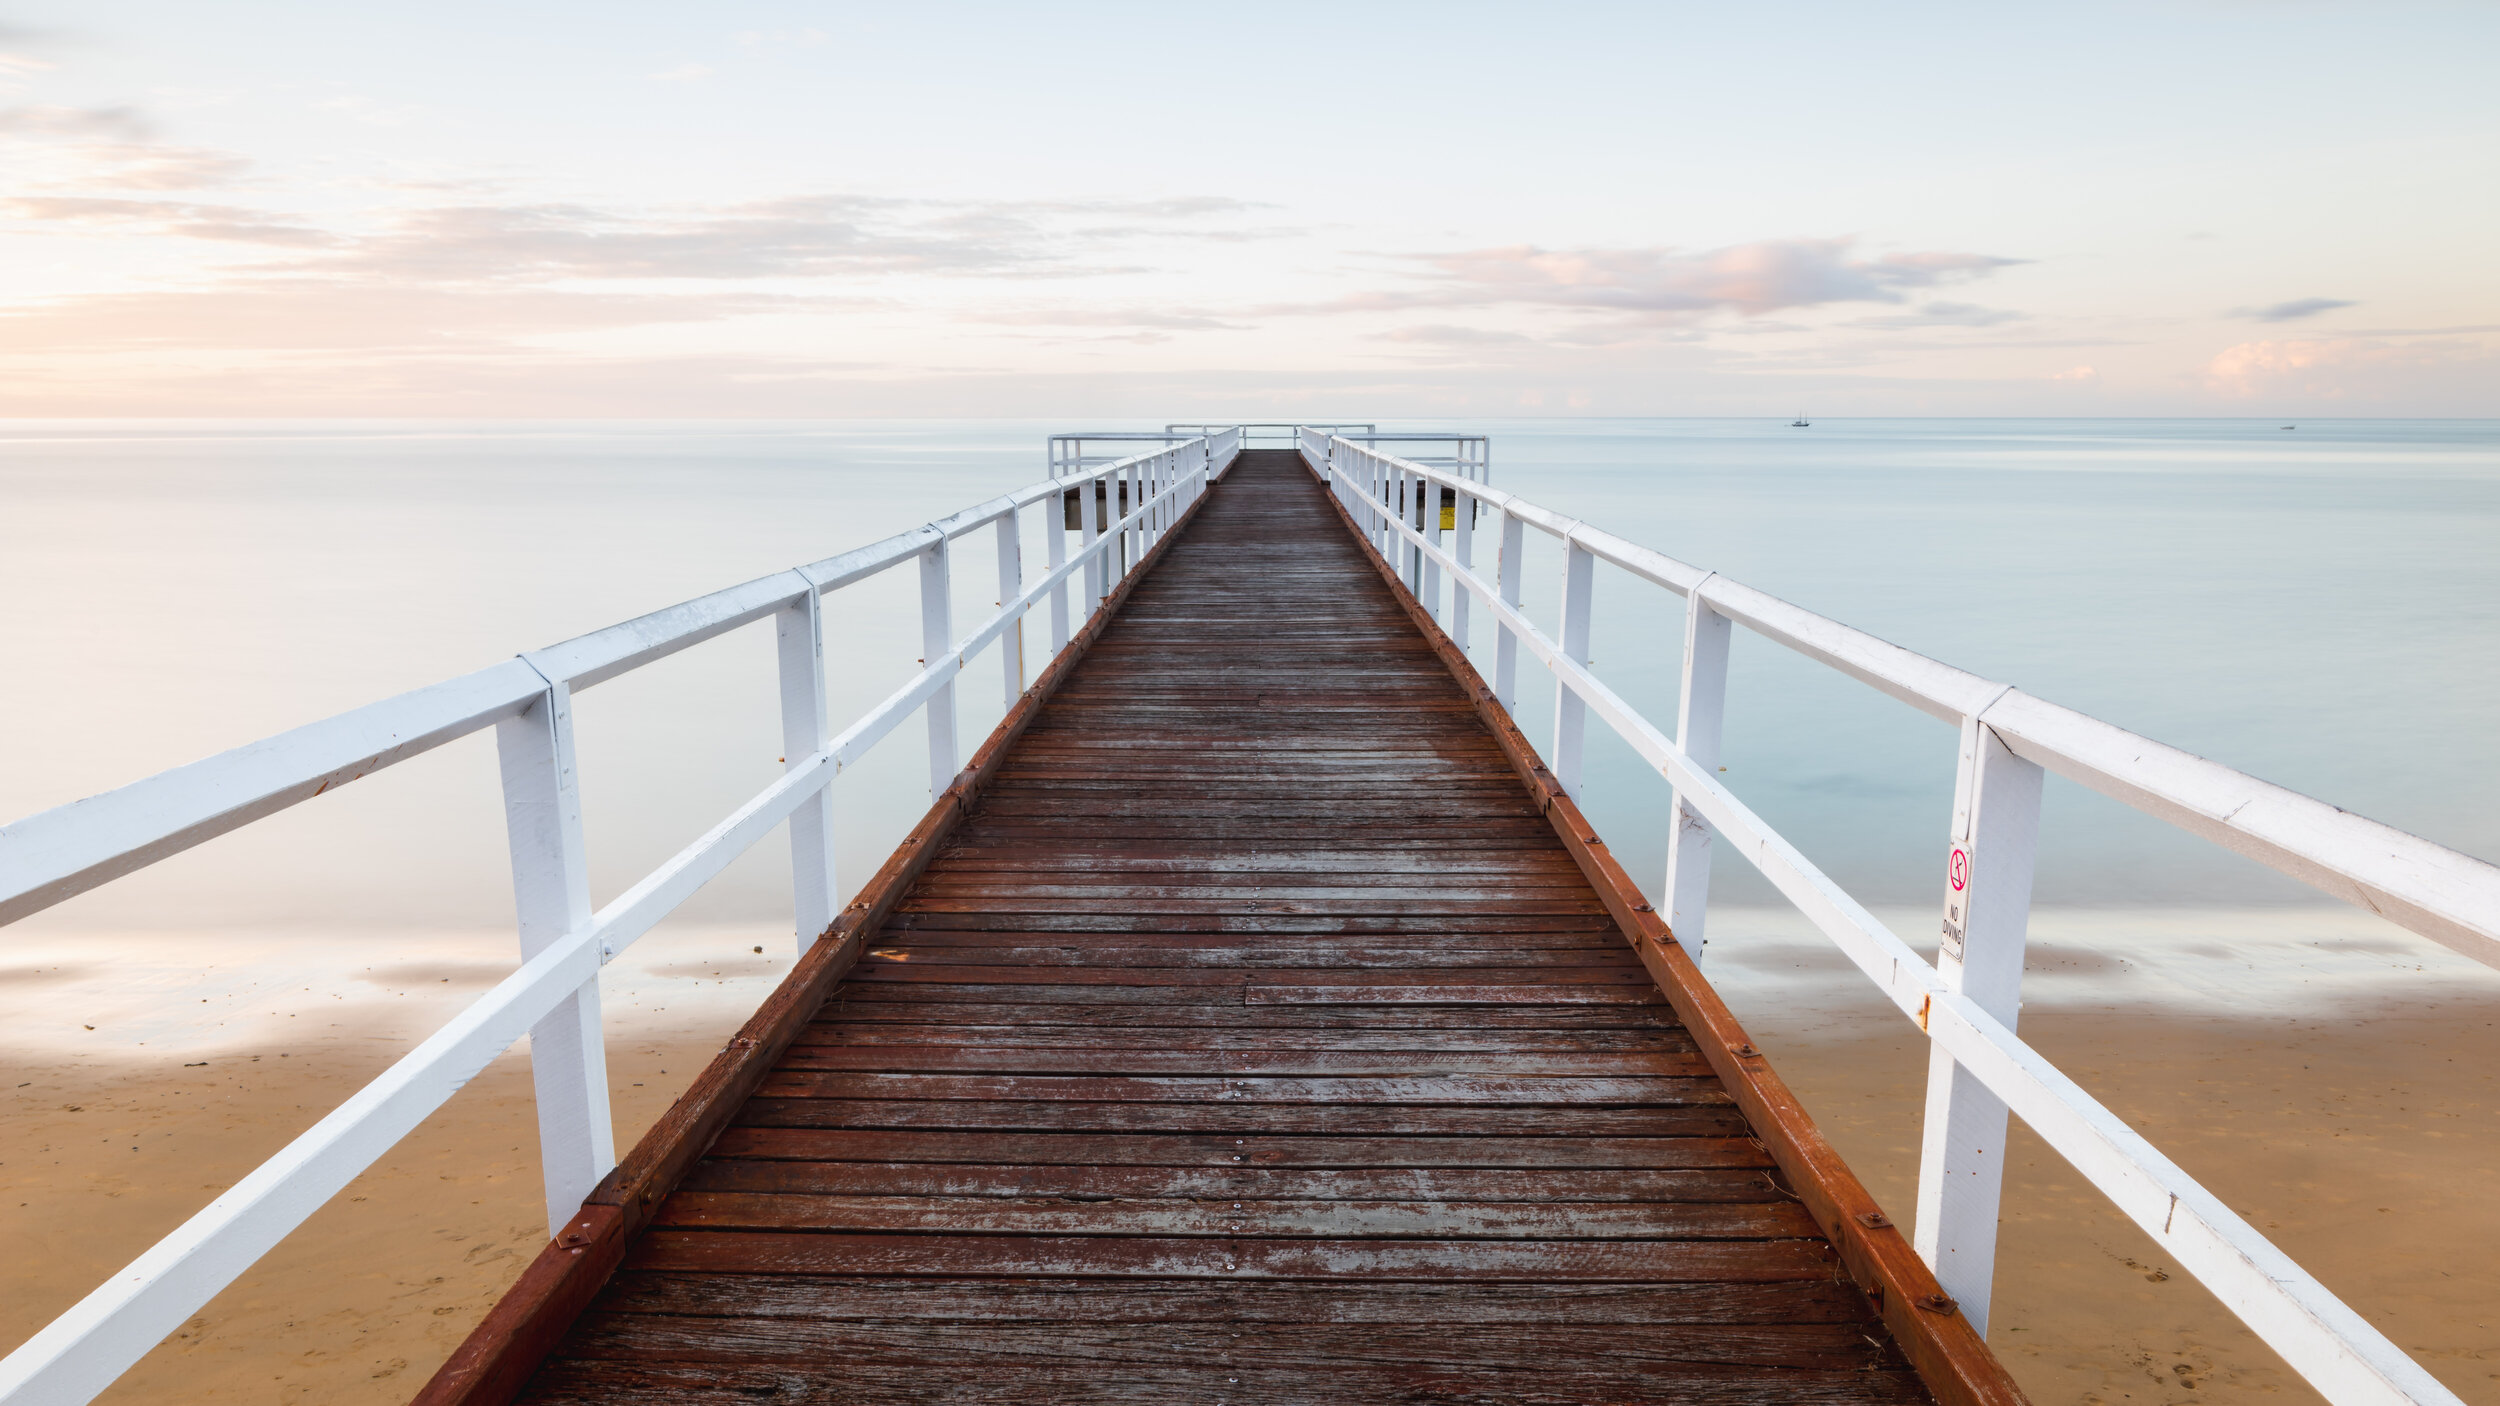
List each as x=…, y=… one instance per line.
x=2319, y=606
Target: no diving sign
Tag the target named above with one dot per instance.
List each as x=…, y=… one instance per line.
x=1956, y=899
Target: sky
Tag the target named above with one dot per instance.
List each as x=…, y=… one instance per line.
x=1275, y=211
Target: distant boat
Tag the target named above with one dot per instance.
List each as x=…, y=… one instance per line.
x=1801, y=422
x=2291, y=427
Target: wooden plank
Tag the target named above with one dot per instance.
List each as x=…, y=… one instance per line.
x=591, y=1382
x=1226, y=1301
x=822, y=1037
x=895, y=1006
x=1312, y=1347
x=1077, y=989
x=957, y=949
x=1370, y=1221
x=1591, y=969
x=1715, y=1118
x=1031, y=1149
x=1094, y=1058
x=1227, y=1183
x=1094, y=1257
x=1418, y=1092
x=1248, y=922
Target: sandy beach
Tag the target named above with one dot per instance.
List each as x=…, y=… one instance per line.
x=2360, y=1141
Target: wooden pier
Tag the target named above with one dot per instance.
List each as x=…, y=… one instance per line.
x=1252, y=1021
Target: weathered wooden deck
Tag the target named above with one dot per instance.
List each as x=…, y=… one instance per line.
x=1253, y=1024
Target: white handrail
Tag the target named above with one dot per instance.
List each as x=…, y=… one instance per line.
x=2451, y=898
x=58, y=853
x=2447, y=896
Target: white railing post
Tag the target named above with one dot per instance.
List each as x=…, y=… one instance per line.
x=1410, y=514
x=1465, y=550
x=1010, y=586
x=805, y=729
x=937, y=637
x=1089, y=514
x=1506, y=585
x=1385, y=513
x=1055, y=525
x=1996, y=826
x=1571, y=711
x=551, y=900
x=1701, y=704
x=1123, y=503
x=1431, y=528
x=1133, y=544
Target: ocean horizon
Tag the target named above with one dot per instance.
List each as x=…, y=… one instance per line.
x=2316, y=606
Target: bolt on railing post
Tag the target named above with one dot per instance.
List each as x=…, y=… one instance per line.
x=805, y=729
x=1988, y=871
x=1506, y=585
x=1571, y=712
x=551, y=900
x=1701, y=704
x=1010, y=586
x=937, y=637
x=1465, y=551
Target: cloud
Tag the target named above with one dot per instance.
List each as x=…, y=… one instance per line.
x=164, y=168
x=512, y=282
x=850, y=236
x=2294, y=310
x=1125, y=317
x=121, y=124
x=1657, y=285
x=300, y=316
x=1445, y=335
x=793, y=238
x=1942, y=315
x=2347, y=368
x=229, y=223
x=1749, y=279
x=113, y=147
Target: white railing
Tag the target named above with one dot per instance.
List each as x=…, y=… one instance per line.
x=554, y=996
x=1068, y=456
x=1967, y=1001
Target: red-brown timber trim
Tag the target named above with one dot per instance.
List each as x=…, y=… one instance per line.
x=495, y=1362
x=1953, y=1360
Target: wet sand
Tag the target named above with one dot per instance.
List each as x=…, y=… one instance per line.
x=2364, y=1146
x=2363, y=1143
